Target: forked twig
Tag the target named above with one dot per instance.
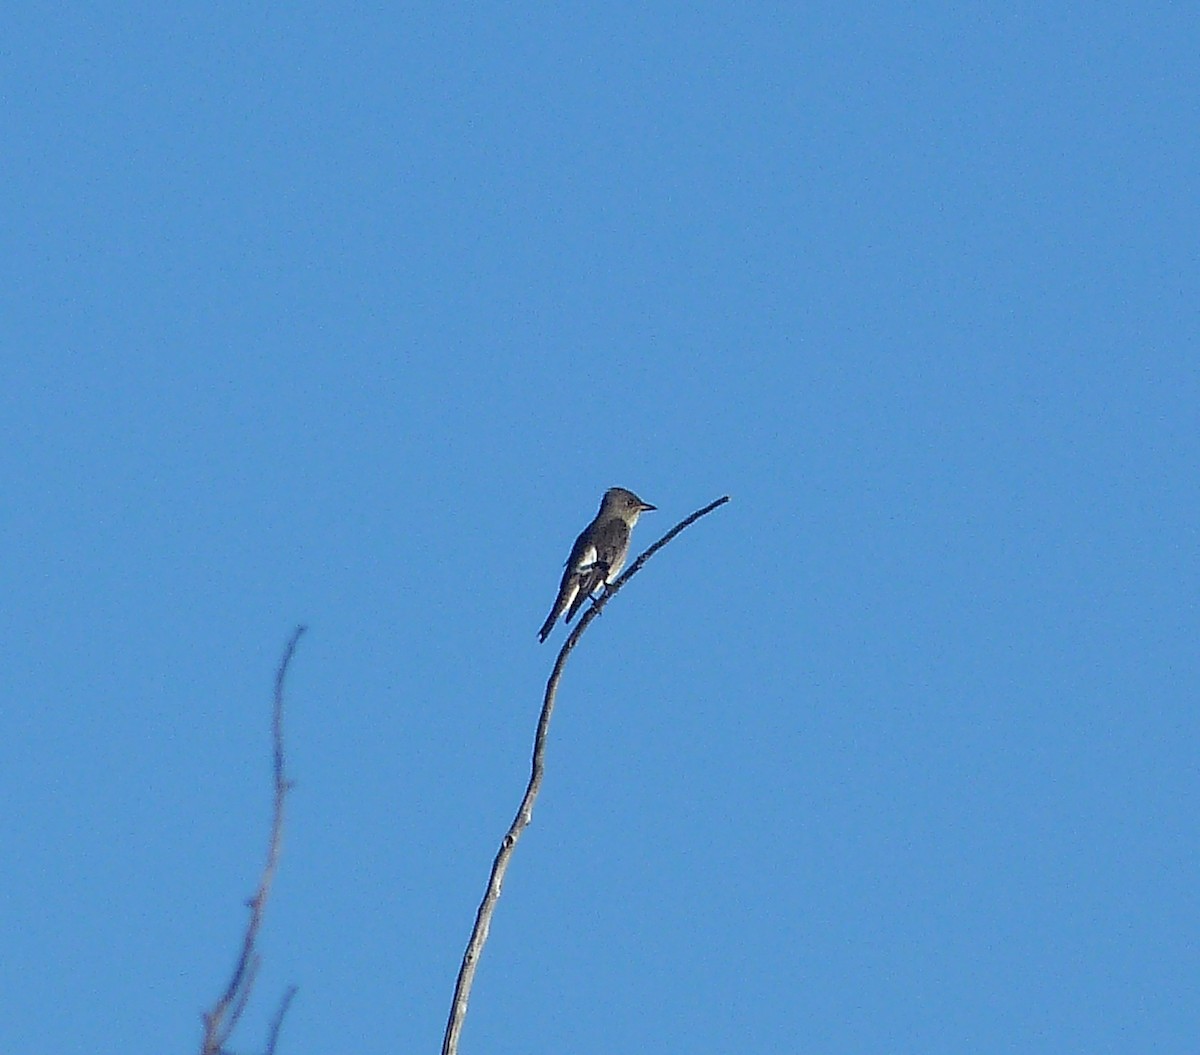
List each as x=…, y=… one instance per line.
x=487, y=907
x=220, y=1022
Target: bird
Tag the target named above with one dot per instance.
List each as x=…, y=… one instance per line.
x=598, y=554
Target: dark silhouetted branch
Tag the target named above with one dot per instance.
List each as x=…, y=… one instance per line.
x=487, y=907
x=220, y=1022
x=277, y=1023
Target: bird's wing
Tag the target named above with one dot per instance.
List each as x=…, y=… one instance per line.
x=610, y=543
x=583, y=553
x=579, y=564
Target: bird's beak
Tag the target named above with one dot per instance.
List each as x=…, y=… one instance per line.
x=648, y=508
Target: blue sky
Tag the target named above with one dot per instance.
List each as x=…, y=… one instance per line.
x=347, y=316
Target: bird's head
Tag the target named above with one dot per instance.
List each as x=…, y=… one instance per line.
x=620, y=502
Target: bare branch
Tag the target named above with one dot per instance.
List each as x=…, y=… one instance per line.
x=487, y=907
x=220, y=1022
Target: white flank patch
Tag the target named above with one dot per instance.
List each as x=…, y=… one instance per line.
x=570, y=599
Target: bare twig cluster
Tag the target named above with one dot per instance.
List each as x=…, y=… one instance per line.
x=487, y=908
x=222, y=1019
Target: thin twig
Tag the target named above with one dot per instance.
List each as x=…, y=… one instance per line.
x=284, y=1004
x=487, y=907
x=219, y=1023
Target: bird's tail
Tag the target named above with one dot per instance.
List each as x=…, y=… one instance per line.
x=548, y=625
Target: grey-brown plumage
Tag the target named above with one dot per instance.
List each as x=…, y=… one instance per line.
x=598, y=554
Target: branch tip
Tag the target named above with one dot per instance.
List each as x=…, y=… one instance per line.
x=220, y=1022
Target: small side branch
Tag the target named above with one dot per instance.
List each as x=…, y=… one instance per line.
x=277, y=1022
x=487, y=907
x=220, y=1022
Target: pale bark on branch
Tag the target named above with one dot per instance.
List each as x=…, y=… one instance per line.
x=487, y=907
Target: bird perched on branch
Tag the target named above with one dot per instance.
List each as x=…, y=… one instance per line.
x=598, y=554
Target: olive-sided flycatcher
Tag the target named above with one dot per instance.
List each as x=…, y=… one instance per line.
x=598, y=554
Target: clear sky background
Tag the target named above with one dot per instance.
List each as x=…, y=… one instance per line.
x=347, y=315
